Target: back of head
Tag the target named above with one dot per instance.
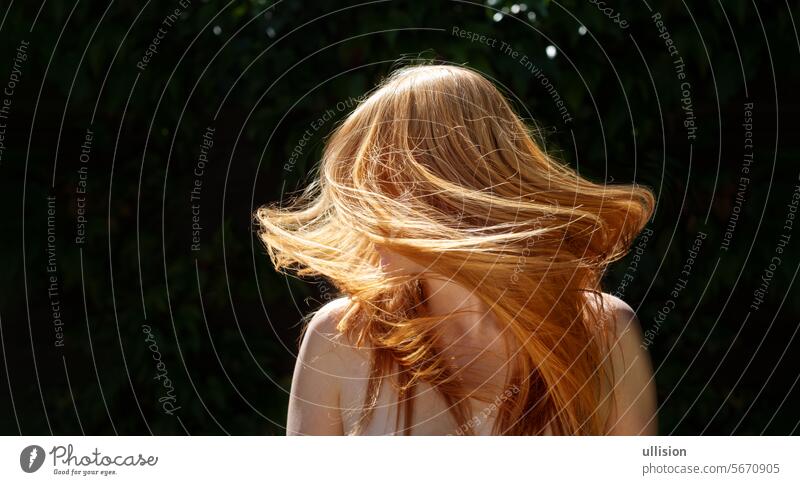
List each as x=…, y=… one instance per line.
x=436, y=166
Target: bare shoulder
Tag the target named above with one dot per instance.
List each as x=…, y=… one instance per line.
x=633, y=390
x=323, y=343
x=325, y=363
x=617, y=305
x=325, y=320
x=618, y=317
x=624, y=333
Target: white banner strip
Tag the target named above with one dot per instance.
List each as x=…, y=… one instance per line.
x=399, y=460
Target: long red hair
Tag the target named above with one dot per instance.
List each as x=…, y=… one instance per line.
x=436, y=166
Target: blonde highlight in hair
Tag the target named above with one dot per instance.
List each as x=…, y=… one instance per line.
x=437, y=167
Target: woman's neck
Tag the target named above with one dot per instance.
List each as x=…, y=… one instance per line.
x=444, y=297
x=471, y=335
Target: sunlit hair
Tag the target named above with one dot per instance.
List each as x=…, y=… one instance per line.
x=435, y=165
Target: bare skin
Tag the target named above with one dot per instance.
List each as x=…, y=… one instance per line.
x=331, y=374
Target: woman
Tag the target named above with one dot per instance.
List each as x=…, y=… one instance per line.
x=469, y=264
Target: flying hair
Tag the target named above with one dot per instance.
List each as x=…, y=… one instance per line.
x=435, y=165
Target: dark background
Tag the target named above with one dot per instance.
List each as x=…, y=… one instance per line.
x=226, y=325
